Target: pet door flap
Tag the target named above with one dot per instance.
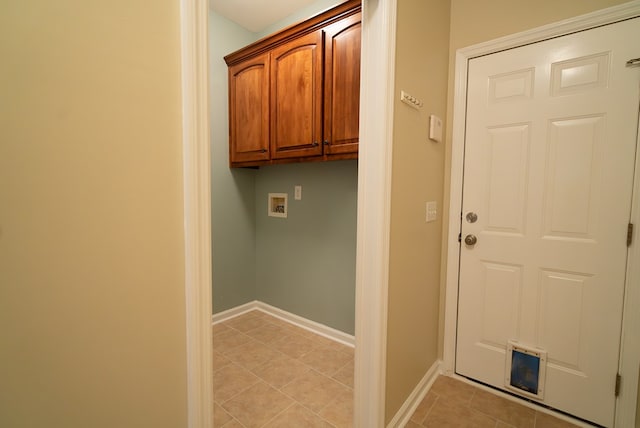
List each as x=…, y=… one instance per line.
x=525, y=370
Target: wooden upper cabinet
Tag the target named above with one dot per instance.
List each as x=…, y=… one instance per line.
x=249, y=110
x=295, y=95
x=342, y=85
x=296, y=101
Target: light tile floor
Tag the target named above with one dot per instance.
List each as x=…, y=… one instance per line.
x=269, y=373
x=452, y=403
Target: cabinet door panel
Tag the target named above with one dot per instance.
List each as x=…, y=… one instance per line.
x=342, y=85
x=249, y=110
x=296, y=104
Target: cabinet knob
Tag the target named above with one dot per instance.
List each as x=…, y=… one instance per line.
x=263, y=151
x=325, y=142
x=315, y=144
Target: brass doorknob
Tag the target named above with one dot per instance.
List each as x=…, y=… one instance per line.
x=470, y=239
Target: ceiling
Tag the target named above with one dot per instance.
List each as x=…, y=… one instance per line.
x=256, y=15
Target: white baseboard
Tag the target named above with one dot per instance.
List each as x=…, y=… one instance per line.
x=403, y=415
x=312, y=326
x=234, y=312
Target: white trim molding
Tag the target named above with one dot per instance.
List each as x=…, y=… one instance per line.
x=197, y=210
x=234, y=312
x=312, y=326
x=374, y=200
x=407, y=409
x=630, y=350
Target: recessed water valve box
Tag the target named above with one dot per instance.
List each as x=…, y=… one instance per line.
x=277, y=205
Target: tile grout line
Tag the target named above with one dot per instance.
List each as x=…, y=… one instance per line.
x=284, y=410
x=430, y=409
x=259, y=379
x=316, y=413
x=234, y=420
x=498, y=420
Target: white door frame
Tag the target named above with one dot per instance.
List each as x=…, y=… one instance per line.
x=374, y=190
x=374, y=204
x=196, y=164
x=630, y=348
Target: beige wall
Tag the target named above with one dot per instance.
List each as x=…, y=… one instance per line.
x=91, y=243
x=475, y=21
x=417, y=177
x=638, y=407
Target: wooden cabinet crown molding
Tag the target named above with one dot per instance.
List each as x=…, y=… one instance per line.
x=319, y=21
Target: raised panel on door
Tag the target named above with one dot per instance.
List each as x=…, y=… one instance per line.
x=249, y=110
x=296, y=103
x=342, y=86
x=549, y=159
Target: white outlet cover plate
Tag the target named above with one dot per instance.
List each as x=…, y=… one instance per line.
x=432, y=211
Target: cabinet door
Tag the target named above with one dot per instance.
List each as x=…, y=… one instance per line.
x=342, y=86
x=249, y=110
x=296, y=103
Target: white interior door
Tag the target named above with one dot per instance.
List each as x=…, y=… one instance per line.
x=549, y=155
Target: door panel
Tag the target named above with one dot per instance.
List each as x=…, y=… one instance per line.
x=575, y=147
x=562, y=310
x=507, y=156
x=549, y=154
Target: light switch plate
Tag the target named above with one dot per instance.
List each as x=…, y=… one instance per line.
x=297, y=193
x=435, y=128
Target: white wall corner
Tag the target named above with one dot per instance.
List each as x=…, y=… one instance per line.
x=374, y=195
x=197, y=210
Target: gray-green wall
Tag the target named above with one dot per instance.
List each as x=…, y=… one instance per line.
x=304, y=264
x=232, y=190
x=300, y=15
